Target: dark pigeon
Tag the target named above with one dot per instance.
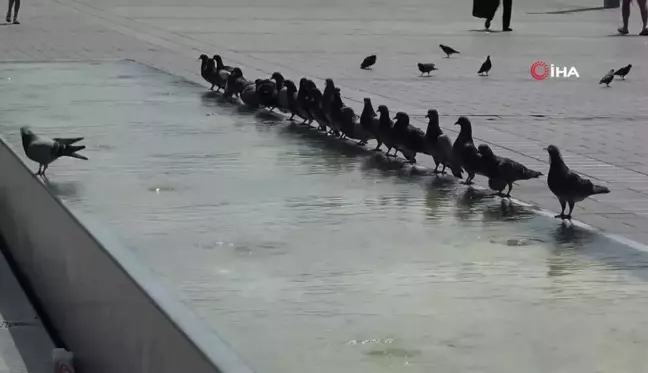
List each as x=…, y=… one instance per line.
x=315, y=106
x=622, y=72
x=220, y=65
x=409, y=140
x=328, y=98
x=567, y=185
x=304, y=100
x=44, y=150
x=266, y=90
x=464, y=151
x=208, y=71
x=439, y=146
x=369, y=119
x=426, y=68
x=293, y=102
x=351, y=127
x=282, y=92
x=385, y=129
x=485, y=67
x=505, y=169
x=608, y=78
x=448, y=51
x=368, y=62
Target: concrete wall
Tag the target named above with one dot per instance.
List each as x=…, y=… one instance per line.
x=107, y=309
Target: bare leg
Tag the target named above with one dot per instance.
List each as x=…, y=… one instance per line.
x=625, y=13
x=644, y=16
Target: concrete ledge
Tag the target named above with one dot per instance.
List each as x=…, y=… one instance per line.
x=107, y=308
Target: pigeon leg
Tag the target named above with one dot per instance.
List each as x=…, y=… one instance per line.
x=436, y=169
x=443, y=170
x=291, y=117
x=40, y=166
x=563, y=203
x=571, y=208
x=508, y=194
x=43, y=172
x=377, y=148
x=421, y=74
x=212, y=87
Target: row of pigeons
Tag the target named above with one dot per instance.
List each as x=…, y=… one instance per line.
x=326, y=108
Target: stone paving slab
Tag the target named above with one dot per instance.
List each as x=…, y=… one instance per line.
x=600, y=130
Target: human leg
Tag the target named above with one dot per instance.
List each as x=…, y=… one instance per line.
x=625, y=13
x=644, y=16
x=506, y=15
x=11, y=4
x=16, y=9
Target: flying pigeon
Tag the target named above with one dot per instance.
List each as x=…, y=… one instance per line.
x=448, y=51
x=368, y=62
x=505, y=169
x=45, y=150
x=607, y=79
x=426, y=68
x=567, y=185
x=485, y=67
x=622, y=72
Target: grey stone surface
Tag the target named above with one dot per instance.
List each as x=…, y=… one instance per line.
x=600, y=130
x=25, y=346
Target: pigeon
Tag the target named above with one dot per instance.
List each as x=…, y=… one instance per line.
x=426, y=68
x=282, y=98
x=504, y=169
x=304, y=100
x=369, y=119
x=622, y=72
x=567, y=185
x=208, y=71
x=266, y=90
x=409, y=139
x=439, y=146
x=448, y=51
x=485, y=67
x=465, y=152
x=315, y=106
x=45, y=150
x=607, y=79
x=350, y=126
x=220, y=65
x=293, y=101
x=368, y=62
x=385, y=129
x=328, y=97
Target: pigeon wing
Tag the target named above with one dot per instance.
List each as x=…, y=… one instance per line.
x=67, y=141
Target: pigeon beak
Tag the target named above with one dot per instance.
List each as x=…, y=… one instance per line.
x=545, y=149
x=456, y=123
x=395, y=117
x=427, y=116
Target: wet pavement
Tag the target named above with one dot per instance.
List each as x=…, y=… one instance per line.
x=305, y=253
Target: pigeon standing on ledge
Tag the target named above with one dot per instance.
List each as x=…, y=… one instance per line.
x=567, y=185
x=44, y=150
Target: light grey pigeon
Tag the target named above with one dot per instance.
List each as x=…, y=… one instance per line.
x=608, y=78
x=44, y=150
x=567, y=185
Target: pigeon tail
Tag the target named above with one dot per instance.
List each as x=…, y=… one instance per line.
x=70, y=151
x=530, y=174
x=456, y=170
x=600, y=190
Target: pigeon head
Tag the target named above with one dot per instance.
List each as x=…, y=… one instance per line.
x=290, y=85
x=367, y=101
x=27, y=136
x=347, y=113
x=554, y=153
x=382, y=109
x=237, y=72
x=463, y=122
x=218, y=59
x=629, y=65
x=329, y=82
x=203, y=57
x=488, y=58
x=402, y=116
x=277, y=77
x=485, y=150
x=432, y=113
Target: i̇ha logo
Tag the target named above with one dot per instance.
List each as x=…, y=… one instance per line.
x=540, y=71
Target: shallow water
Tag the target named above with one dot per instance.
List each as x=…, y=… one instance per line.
x=310, y=255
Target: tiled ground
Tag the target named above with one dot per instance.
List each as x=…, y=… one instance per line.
x=600, y=130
